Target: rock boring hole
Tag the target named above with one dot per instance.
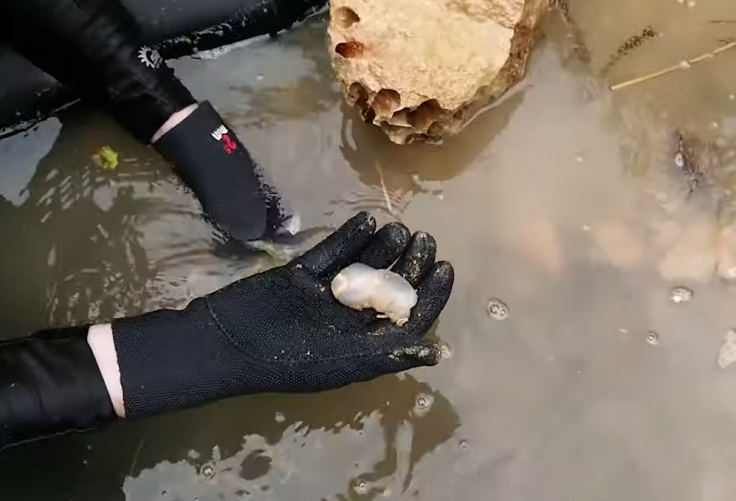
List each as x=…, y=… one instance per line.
x=421, y=118
x=358, y=95
x=349, y=49
x=345, y=17
x=386, y=102
x=426, y=114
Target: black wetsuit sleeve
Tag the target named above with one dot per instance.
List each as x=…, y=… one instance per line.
x=97, y=48
x=50, y=385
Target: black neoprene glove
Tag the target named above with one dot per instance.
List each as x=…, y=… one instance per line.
x=282, y=330
x=211, y=160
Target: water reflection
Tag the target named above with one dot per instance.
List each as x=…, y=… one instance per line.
x=298, y=98
x=365, y=147
x=398, y=173
x=314, y=447
x=98, y=244
x=286, y=78
x=72, y=209
x=264, y=447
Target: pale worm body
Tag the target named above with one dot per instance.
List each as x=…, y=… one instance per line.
x=359, y=287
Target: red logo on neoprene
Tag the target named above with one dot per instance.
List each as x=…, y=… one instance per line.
x=221, y=134
x=230, y=145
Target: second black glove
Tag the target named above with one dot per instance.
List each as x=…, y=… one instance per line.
x=210, y=159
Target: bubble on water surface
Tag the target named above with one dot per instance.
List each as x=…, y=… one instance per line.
x=423, y=404
x=497, y=309
x=680, y=160
x=361, y=488
x=653, y=338
x=681, y=295
x=445, y=351
x=208, y=471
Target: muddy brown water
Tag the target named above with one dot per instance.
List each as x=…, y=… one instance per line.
x=563, y=201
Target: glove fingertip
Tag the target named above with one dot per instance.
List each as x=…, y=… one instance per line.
x=341, y=246
x=387, y=244
x=444, y=272
x=363, y=223
x=398, y=231
x=435, y=289
x=423, y=354
x=418, y=258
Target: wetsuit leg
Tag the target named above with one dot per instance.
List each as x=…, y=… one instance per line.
x=96, y=47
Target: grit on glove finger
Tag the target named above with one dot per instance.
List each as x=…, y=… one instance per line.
x=421, y=353
x=389, y=355
x=386, y=246
x=418, y=258
x=433, y=293
x=339, y=248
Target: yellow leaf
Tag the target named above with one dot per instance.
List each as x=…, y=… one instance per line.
x=106, y=158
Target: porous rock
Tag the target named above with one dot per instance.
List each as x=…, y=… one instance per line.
x=421, y=69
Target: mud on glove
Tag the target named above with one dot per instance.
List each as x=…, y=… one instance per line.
x=282, y=330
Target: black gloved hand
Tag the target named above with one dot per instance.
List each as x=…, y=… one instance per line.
x=211, y=160
x=282, y=330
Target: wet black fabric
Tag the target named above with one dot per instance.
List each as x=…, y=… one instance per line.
x=50, y=385
x=177, y=27
x=211, y=160
x=96, y=48
x=282, y=330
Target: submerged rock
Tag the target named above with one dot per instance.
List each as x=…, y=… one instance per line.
x=421, y=69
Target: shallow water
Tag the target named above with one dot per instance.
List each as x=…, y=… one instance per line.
x=563, y=201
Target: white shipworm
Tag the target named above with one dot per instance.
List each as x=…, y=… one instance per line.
x=359, y=287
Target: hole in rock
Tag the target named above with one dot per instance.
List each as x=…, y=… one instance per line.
x=425, y=115
x=435, y=130
x=349, y=49
x=358, y=95
x=345, y=17
x=386, y=102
